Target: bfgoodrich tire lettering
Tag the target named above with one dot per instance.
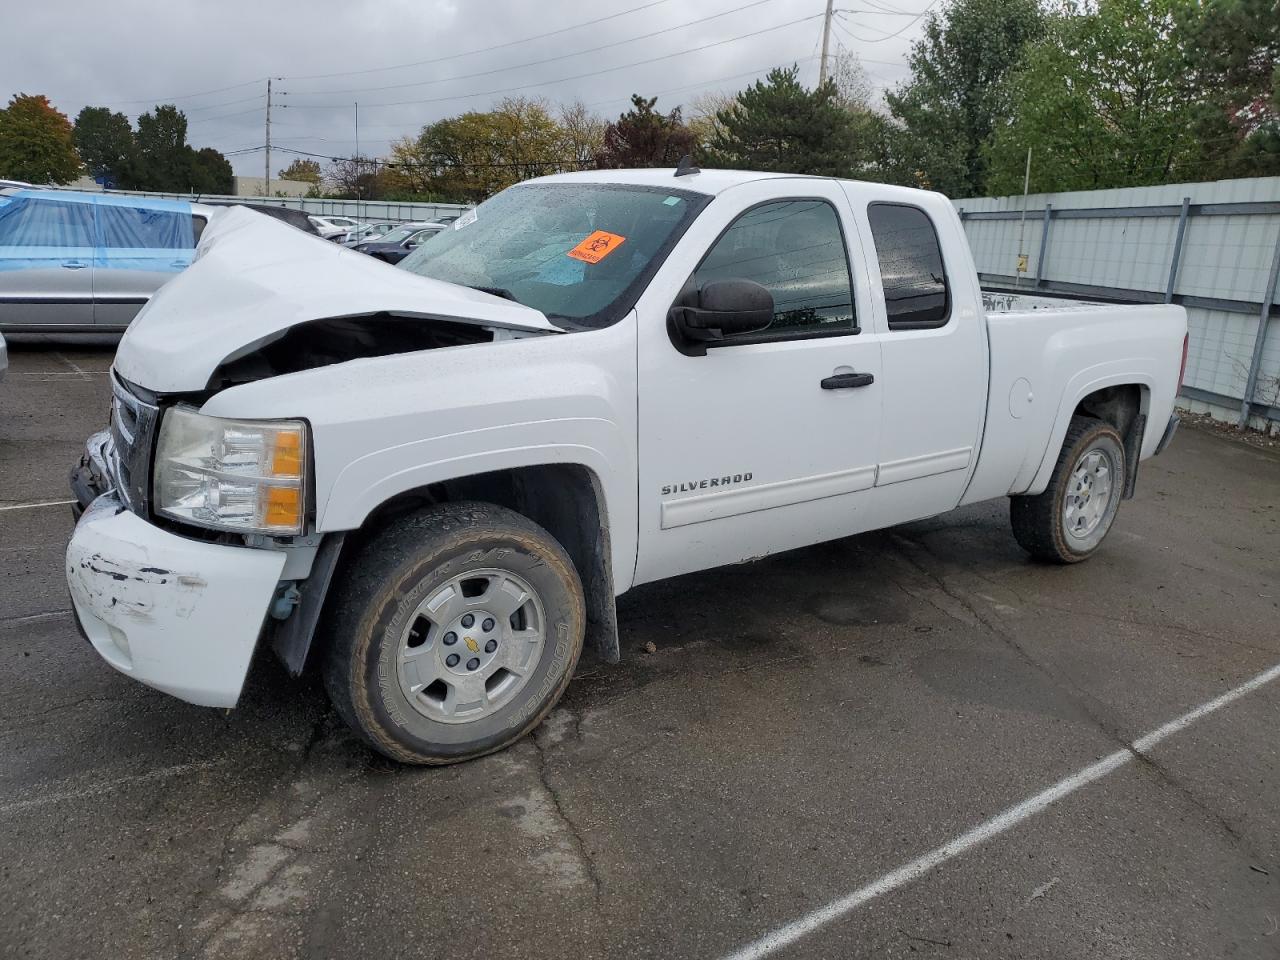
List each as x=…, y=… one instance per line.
x=1069, y=521
x=425, y=556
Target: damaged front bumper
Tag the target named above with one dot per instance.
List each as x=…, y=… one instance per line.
x=179, y=615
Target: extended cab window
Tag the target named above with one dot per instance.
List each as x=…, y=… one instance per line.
x=795, y=249
x=911, y=270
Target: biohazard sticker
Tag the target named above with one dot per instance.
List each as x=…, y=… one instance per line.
x=596, y=247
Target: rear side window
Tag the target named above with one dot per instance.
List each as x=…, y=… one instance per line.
x=795, y=249
x=137, y=228
x=915, y=281
x=31, y=222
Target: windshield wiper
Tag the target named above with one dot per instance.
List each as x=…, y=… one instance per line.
x=502, y=292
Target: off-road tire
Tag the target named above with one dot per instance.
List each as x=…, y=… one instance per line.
x=1038, y=523
x=386, y=580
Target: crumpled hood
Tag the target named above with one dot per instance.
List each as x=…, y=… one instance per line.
x=254, y=276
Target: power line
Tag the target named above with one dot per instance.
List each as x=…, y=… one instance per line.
x=907, y=26
x=705, y=83
x=538, y=63
x=190, y=96
x=578, y=76
x=468, y=53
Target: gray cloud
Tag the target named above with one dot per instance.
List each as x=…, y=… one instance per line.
x=133, y=54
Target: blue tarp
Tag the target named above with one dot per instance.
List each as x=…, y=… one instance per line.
x=118, y=233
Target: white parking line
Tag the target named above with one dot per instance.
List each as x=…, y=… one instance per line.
x=78, y=370
x=37, y=503
x=13, y=806
x=786, y=935
x=36, y=618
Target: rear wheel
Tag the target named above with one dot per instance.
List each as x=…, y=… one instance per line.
x=457, y=631
x=1067, y=522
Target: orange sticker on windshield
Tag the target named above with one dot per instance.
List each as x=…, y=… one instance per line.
x=596, y=247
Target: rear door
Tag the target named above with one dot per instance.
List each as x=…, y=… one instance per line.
x=935, y=360
x=140, y=248
x=46, y=261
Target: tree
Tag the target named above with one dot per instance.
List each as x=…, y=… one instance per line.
x=957, y=95
x=472, y=156
x=704, y=110
x=36, y=142
x=359, y=178
x=106, y=145
x=210, y=172
x=776, y=124
x=1104, y=100
x=581, y=134
x=1234, y=52
x=643, y=137
x=163, y=156
x=301, y=170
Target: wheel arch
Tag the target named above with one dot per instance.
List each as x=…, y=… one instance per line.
x=1121, y=399
x=566, y=499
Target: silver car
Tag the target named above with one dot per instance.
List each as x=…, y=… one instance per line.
x=86, y=263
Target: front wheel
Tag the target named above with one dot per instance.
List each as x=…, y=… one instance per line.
x=1067, y=522
x=455, y=634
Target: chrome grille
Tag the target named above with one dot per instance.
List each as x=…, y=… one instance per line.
x=133, y=423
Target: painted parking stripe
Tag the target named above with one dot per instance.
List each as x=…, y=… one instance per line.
x=79, y=372
x=97, y=789
x=788, y=934
x=37, y=503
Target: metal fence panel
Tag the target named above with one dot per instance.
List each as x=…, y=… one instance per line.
x=1210, y=246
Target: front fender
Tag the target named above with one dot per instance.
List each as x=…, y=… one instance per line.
x=383, y=426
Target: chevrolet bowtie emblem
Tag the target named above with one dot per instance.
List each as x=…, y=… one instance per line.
x=471, y=645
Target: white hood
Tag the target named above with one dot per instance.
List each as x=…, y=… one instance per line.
x=254, y=276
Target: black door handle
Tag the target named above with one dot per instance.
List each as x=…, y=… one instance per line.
x=843, y=381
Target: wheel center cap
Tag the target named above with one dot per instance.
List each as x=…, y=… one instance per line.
x=470, y=642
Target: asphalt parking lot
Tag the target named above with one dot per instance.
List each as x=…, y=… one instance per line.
x=806, y=726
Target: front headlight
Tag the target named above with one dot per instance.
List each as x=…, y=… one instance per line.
x=241, y=475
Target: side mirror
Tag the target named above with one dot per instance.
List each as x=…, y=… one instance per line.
x=721, y=308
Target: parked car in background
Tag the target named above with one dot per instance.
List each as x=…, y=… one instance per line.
x=4, y=357
x=87, y=262
x=333, y=228
x=369, y=231
x=398, y=244
x=295, y=218
x=15, y=184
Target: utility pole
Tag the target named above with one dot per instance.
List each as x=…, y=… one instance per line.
x=266, y=190
x=826, y=42
x=359, y=187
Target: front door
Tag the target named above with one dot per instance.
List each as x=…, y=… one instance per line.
x=770, y=440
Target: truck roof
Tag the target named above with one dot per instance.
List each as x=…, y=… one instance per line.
x=705, y=181
x=717, y=181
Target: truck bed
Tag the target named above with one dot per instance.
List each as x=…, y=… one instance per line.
x=1002, y=301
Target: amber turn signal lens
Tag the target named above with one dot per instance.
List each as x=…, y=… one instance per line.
x=286, y=460
x=283, y=507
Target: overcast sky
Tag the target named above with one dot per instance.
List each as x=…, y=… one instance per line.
x=410, y=62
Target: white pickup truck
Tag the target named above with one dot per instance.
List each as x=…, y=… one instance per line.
x=432, y=481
